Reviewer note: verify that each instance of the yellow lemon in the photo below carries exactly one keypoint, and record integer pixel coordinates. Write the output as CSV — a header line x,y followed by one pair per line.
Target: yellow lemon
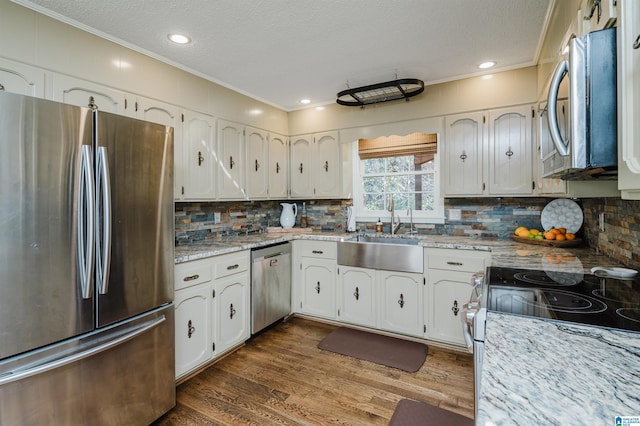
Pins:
x,y
534,231
522,231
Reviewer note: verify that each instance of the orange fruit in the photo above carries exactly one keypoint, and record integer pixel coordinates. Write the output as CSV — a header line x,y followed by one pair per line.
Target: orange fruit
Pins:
x,y
560,237
569,236
549,235
562,230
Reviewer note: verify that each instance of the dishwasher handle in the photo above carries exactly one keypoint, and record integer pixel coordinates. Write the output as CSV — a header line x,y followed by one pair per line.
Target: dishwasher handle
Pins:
x,y
269,256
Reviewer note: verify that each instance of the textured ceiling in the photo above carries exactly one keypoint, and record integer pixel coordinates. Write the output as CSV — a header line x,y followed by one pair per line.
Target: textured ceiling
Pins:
x,y
280,51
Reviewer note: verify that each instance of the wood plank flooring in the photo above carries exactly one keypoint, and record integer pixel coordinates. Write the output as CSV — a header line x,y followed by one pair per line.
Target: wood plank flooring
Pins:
x,y
281,378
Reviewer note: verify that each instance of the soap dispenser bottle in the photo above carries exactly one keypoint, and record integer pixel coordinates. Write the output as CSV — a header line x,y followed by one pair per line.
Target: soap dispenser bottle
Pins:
x,y
303,218
379,226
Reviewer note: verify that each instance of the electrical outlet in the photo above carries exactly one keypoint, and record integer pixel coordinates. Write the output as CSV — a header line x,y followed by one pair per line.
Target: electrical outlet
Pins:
x,y
216,217
455,214
601,221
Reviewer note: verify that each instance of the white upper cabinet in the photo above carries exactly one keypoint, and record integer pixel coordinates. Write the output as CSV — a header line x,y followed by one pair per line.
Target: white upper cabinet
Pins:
x,y
327,165
315,166
301,169
199,160
23,79
629,99
278,166
464,154
230,160
510,167
78,92
257,148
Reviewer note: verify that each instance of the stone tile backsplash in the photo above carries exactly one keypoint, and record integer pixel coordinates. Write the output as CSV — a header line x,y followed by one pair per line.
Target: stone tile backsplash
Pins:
x,y
493,218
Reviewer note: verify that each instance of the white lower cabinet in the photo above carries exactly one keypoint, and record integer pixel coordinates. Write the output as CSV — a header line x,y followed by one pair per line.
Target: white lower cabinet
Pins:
x,y
356,296
448,287
194,314
400,301
212,309
313,278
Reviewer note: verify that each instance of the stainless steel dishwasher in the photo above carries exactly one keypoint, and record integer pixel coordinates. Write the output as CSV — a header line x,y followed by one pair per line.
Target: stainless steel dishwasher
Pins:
x,y
270,285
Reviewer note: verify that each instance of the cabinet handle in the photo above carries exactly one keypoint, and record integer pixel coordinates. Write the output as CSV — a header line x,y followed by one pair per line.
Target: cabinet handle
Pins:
x,y
326,166
318,287
1,87
231,162
277,167
463,156
596,4
257,165
200,158
232,267
454,308
401,301
317,251
191,277
509,153
232,311
300,168
190,329
636,44
357,294
454,263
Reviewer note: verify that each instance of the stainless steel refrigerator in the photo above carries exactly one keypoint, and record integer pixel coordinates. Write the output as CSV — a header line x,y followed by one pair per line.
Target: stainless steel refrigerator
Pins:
x,y
86,266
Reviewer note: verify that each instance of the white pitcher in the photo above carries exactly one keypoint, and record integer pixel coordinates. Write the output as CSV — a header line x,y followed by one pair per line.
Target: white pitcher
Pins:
x,y
288,215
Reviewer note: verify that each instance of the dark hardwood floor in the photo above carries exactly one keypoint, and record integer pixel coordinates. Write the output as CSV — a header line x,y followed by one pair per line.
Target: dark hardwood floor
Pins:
x,y
281,378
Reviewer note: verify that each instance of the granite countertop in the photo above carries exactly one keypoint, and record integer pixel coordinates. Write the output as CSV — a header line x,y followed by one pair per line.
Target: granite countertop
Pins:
x,y
540,372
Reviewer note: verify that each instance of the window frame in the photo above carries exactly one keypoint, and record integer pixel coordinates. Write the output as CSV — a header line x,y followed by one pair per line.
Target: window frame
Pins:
x,y
435,216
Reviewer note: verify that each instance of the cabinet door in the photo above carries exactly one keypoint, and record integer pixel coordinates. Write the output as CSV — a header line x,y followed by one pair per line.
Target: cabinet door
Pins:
x,y
193,333
356,295
257,145
232,311
463,154
400,302
167,115
199,160
23,79
446,292
629,90
79,92
230,160
301,170
318,291
598,15
278,166
327,179
510,151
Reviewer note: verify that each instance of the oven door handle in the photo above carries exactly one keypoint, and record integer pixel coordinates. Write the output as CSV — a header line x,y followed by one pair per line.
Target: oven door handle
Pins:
x,y
466,325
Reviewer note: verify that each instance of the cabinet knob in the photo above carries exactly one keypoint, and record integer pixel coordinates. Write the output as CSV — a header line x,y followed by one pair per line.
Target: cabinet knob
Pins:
x,y
232,267
463,156
231,162
277,167
200,158
326,166
509,153
257,165
401,301
1,87
454,308
190,329
318,287
356,294
636,45
317,251
300,168
191,277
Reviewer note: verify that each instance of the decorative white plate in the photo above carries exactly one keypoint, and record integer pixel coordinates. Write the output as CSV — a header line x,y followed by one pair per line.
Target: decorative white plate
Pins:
x,y
562,213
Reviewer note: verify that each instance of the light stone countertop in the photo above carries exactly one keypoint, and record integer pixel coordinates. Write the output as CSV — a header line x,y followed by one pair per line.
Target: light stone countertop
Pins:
x,y
542,372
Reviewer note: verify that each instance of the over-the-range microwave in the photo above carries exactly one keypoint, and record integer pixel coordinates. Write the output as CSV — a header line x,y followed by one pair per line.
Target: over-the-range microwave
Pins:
x,y
586,146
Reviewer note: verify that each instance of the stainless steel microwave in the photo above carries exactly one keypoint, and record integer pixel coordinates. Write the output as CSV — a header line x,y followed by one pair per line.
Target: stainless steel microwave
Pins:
x,y
587,148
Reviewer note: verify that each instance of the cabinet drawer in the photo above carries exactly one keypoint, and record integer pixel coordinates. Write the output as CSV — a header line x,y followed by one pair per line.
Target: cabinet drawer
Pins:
x,y
191,273
318,249
456,260
229,264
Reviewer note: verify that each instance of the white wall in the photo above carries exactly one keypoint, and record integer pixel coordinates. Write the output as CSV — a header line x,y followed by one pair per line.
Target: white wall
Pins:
x,y
32,38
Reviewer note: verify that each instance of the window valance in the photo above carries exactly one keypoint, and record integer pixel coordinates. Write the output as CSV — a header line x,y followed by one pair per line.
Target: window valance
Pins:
x,y
396,146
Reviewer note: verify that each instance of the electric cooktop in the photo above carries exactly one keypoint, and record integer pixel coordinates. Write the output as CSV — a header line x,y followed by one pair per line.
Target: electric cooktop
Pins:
x,y
565,296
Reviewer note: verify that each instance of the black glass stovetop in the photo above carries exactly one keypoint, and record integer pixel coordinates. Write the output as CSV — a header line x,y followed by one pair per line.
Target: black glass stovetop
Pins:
x,y
565,296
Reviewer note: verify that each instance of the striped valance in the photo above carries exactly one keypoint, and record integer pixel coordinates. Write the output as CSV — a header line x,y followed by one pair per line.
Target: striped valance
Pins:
x,y
396,146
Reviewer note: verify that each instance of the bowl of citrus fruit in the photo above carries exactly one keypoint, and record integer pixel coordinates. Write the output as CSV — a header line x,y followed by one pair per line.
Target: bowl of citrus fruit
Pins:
x,y
555,237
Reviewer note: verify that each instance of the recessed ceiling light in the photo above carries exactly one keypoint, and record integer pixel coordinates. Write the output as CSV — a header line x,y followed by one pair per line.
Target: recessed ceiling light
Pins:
x,y
485,65
179,38
305,101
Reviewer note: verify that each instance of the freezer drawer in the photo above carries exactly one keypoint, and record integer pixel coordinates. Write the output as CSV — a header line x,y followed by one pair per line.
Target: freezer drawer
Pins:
x,y
132,382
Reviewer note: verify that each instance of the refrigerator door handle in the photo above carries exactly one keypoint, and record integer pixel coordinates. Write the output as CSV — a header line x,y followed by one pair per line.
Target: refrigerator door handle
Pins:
x,y
131,333
86,226
103,230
